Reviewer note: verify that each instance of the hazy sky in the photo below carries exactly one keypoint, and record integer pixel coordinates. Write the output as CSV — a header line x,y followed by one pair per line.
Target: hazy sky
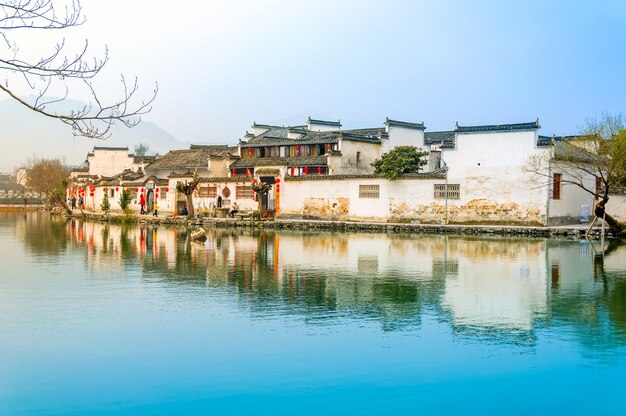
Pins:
x,y
221,65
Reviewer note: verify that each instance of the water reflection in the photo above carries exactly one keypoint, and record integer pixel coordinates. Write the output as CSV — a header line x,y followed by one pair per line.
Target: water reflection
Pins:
x,y
505,290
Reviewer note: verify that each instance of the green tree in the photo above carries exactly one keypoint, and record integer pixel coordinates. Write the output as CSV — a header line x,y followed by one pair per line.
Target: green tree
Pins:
x,y
141,149
105,206
125,200
399,160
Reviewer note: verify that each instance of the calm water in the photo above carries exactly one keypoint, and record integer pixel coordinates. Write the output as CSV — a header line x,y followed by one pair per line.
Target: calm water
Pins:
x,y
101,319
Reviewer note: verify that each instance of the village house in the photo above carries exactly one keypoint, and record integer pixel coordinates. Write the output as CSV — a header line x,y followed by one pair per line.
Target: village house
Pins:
x,y
475,174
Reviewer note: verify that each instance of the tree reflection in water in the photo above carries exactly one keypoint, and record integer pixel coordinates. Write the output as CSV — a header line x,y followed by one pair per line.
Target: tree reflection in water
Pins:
x,y
504,290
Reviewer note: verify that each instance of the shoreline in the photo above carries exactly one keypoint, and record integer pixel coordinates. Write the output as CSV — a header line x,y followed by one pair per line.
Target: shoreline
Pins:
x,y
573,231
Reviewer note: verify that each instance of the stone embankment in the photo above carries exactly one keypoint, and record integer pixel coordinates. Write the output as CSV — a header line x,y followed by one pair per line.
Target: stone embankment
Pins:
x,y
573,231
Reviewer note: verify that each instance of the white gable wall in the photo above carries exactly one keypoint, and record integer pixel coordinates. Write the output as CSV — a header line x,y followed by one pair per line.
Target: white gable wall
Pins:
x,y
402,136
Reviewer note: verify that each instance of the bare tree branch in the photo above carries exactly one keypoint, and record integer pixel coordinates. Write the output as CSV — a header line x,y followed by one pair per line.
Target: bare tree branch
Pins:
x,y
61,68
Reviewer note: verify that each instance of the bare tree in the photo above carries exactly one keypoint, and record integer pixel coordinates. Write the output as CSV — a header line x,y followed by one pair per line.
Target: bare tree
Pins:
x,y
594,161
50,177
60,68
187,188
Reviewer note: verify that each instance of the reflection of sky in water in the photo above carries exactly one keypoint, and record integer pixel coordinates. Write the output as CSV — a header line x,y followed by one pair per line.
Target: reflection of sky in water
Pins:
x,y
140,320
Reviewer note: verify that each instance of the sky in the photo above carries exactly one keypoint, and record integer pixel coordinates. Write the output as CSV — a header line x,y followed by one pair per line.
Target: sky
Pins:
x,y
220,65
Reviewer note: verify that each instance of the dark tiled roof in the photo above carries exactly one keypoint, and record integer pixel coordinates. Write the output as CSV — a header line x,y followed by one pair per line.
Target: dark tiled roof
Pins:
x,y
275,137
109,148
195,157
547,140
267,171
438,174
567,151
279,161
125,177
533,125
405,124
138,159
445,139
324,122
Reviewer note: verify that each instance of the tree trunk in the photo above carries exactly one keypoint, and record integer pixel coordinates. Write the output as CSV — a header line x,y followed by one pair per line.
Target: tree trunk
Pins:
x,y
190,212
60,200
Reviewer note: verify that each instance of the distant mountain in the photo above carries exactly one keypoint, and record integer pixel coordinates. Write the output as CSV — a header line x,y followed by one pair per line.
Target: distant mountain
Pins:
x,y
25,134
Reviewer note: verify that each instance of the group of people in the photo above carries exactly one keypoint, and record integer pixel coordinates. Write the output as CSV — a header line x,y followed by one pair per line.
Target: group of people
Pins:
x,y
80,200
142,204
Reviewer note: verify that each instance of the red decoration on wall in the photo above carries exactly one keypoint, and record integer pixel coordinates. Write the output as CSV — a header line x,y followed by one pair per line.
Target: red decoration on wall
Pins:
x,y
247,172
306,170
319,170
249,150
292,169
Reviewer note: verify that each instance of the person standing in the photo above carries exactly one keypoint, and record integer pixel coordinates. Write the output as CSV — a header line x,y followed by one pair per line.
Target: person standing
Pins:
x,y
155,209
142,204
73,201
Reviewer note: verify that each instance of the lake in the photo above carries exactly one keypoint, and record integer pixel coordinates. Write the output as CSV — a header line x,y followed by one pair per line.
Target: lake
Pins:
x,y
100,319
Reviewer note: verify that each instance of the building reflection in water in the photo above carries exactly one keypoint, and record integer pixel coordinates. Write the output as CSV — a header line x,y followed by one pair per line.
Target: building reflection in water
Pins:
x,y
507,289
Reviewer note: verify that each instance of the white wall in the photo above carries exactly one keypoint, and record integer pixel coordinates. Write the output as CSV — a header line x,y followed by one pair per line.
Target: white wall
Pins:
x,y
402,136
108,163
368,153
489,167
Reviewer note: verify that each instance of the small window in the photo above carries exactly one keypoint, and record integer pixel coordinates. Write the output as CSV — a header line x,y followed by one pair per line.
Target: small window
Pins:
x,y
112,193
244,191
358,158
369,191
556,186
454,191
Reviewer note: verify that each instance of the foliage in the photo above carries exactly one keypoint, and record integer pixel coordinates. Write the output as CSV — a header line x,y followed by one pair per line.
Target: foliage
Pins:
x,y
125,200
261,188
141,149
59,69
105,206
399,160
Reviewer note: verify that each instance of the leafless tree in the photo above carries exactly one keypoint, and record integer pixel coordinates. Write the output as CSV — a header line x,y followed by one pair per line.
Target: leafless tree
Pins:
x,y
62,68
596,157
49,176
187,188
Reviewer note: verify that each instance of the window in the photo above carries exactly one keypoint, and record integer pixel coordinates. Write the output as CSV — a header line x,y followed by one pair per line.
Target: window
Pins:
x,y
369,191
163,193
556,186
208,191
358,158
244,191
112,193
454,191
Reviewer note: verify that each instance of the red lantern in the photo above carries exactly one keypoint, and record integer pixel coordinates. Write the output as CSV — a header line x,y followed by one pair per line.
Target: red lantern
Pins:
x,y
319,170
136,190
233,172
247,172
117,188
306,170
249,150
167,189
277,180
292,169
298,148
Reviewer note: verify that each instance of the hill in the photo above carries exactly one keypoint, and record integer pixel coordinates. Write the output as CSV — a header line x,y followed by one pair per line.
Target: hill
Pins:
x,y
25,135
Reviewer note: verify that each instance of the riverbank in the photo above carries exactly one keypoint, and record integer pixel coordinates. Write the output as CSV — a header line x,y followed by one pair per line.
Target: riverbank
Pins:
x,y
571,231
